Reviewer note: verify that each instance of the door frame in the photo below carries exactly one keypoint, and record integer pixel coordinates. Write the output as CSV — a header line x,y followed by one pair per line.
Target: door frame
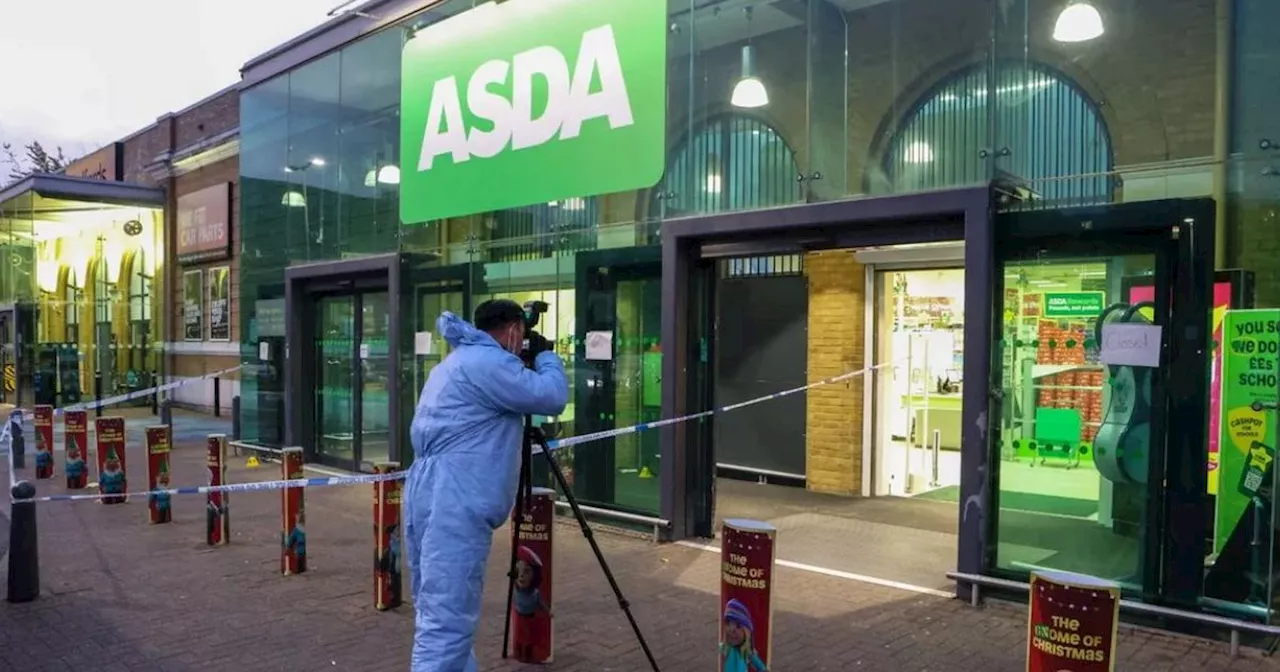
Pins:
x,y
689,244
1181,233
600,459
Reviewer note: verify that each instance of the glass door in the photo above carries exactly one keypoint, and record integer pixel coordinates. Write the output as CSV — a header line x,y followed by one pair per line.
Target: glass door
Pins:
x,y
617,369
335,349
375,372
1098,419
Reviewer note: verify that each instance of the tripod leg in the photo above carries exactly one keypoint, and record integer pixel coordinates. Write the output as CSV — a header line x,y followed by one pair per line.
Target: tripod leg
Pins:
x,y
595,548
522,490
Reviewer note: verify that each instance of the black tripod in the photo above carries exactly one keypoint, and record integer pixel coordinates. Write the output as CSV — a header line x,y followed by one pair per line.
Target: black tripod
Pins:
x,y
534,435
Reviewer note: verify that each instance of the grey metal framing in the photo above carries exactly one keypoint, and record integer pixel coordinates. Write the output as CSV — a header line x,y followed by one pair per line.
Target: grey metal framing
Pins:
x,y
297,281
952,214
84,189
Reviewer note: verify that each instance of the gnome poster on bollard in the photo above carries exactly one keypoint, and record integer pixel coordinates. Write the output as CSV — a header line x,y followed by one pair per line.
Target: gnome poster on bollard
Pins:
x,y
1072,623
75,432
217,516
44,441
746,595
533,630
158,449
113,472
293,546
387,590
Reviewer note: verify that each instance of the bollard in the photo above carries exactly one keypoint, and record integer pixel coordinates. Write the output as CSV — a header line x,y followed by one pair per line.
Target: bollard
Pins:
x,y
1080,611
532,631
113,478
18,444
75,433
159,446
217,397
235,417
293,546
166,412
155,396
44,441
24,552
746,593
387,591
218,515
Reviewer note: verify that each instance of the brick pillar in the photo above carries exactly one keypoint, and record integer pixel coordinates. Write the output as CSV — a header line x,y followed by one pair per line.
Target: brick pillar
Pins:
x,y
833,413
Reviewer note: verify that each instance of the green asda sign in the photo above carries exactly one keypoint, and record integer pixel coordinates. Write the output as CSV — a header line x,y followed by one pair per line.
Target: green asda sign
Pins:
x,y
531,101
1072,304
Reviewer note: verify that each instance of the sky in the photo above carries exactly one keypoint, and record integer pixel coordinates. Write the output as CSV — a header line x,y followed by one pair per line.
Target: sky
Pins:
x,y
82,73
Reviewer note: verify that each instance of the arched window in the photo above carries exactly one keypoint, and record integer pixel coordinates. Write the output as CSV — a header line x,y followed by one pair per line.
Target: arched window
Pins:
x,y
732,162
1045,126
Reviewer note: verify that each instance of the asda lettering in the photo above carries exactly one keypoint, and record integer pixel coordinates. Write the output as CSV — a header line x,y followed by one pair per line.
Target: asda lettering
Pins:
x,y
570,101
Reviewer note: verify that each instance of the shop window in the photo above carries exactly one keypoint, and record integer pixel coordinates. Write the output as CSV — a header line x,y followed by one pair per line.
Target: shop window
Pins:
x,y
733,162
541,230
1047,130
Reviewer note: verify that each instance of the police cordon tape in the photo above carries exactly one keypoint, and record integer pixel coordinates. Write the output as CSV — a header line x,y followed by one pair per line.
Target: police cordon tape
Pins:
x,y
130,396
396,475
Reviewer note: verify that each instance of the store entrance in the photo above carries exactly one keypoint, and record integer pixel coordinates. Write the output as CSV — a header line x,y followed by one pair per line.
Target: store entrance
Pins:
x,y
919,341
617,377
1101,395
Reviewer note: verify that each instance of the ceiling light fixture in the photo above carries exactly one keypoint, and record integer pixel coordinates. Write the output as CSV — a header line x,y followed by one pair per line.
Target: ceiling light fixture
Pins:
x,y
1078,22
749,92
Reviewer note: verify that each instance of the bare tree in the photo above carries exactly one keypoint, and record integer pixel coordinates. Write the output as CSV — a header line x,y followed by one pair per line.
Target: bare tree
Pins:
x,y
35,159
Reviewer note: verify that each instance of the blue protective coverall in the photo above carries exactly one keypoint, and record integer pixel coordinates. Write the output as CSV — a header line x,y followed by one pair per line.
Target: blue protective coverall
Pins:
x,y
467,434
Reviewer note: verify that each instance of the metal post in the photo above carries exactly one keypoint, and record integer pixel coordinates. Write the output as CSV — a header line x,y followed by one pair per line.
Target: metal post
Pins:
x,y
97,392
17,444
217,397
235,418
24,556
166,412
155,396
937,451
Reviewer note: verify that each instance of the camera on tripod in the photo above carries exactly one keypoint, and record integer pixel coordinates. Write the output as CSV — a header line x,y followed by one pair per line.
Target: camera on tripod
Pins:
x,y
533,311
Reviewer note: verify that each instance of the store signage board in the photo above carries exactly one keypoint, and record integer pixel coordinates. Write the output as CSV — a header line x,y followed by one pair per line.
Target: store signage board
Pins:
x,y
204,224
1072,304
1130,344
532,101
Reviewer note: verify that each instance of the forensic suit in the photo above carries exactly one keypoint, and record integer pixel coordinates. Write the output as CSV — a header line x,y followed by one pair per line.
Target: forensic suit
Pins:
x,y
467,433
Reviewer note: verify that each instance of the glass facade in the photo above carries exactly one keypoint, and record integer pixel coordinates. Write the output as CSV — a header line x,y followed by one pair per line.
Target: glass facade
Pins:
x,y
866,97
80,295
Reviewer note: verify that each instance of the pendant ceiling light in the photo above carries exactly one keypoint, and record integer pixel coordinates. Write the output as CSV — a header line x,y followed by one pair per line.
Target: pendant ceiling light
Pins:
x,y
294,199
1078,22
749,91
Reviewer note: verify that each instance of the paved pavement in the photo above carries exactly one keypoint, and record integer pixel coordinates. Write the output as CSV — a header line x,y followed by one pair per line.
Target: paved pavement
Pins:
x,y
119,594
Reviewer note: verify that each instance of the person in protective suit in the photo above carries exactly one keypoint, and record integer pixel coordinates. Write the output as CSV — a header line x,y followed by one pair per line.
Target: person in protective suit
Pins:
x,y
467,435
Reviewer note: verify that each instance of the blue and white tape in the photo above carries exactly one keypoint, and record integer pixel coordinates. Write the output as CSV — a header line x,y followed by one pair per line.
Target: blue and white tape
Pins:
x,y
130,396
375,478
230,487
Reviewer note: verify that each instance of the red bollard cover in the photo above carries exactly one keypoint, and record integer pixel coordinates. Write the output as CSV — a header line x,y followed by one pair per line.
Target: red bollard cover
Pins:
x,y
387,589
746,594
113,478
158,453
293,547
1072,623
44,441
533,629
75,433
217,515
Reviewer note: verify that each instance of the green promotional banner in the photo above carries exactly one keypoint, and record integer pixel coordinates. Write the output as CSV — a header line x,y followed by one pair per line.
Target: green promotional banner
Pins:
x,y
1248,425
532,101
1072,304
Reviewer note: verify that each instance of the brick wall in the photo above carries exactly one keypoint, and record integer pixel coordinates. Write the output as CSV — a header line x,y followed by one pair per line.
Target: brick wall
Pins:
x,y
210,118
833,413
